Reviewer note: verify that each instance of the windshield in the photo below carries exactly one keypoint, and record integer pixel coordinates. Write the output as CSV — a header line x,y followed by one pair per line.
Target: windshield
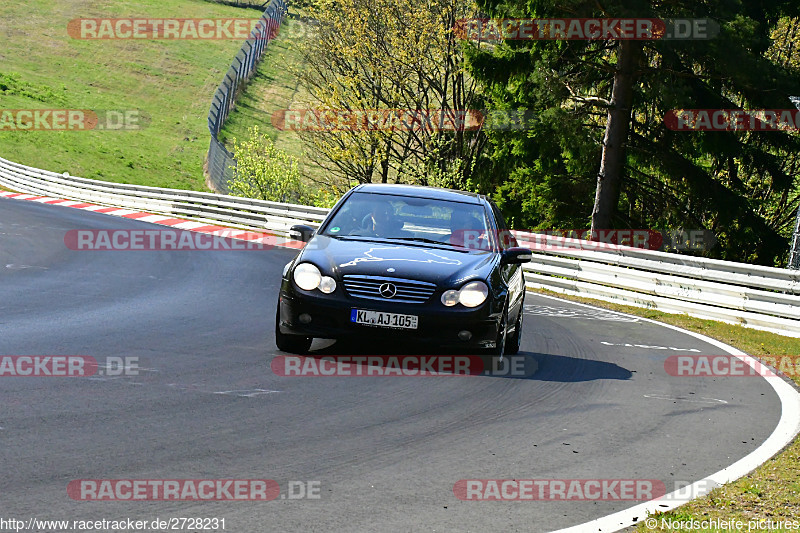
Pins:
x,y
388,216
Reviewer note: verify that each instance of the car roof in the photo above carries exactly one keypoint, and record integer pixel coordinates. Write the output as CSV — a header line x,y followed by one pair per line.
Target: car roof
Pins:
x,y
420,191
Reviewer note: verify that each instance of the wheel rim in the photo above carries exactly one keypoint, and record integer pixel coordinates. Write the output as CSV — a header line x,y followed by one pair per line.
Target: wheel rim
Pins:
x,y
518,329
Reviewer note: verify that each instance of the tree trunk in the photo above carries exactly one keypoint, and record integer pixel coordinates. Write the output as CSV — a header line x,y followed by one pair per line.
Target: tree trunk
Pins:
x,y
612,163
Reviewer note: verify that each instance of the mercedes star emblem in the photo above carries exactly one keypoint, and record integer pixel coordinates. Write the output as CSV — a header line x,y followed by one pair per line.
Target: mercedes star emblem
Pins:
x,y
388,290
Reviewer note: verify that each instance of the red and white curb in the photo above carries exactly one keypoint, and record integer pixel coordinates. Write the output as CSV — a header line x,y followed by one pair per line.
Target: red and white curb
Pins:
x,y
265,238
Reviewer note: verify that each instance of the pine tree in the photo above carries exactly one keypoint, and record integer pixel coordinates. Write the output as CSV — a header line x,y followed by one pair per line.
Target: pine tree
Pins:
x,y
558,173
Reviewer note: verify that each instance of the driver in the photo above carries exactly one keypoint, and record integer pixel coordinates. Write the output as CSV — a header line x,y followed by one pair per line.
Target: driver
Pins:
x,y
377,223
379,220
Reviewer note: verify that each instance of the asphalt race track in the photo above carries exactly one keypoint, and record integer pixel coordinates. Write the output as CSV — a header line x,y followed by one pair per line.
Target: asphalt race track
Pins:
x,y
385,451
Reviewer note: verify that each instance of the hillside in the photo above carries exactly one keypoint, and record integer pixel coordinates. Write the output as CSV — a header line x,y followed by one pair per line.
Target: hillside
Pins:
x,y
168,83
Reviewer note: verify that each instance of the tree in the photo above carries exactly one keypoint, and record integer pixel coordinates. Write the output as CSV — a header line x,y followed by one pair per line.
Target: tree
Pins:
x,y
401,58
612,162
735,184
785,49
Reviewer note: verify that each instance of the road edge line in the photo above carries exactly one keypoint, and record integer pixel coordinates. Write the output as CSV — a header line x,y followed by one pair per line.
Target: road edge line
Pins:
x,y
783,434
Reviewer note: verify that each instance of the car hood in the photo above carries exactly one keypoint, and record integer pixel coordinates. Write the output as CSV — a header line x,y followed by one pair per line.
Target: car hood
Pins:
x,y
416,261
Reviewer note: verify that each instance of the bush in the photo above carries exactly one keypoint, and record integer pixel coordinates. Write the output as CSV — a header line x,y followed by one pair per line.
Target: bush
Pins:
x,y
265,172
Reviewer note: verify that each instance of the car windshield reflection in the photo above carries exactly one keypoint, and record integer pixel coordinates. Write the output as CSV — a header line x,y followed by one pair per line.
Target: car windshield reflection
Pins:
x,y
432,221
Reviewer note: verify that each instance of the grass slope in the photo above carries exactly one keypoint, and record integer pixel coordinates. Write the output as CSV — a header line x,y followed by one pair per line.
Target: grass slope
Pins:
x,y
169,81
272,88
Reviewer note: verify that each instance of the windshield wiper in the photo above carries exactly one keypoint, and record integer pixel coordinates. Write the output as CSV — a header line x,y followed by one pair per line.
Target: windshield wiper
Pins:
x,y
418,239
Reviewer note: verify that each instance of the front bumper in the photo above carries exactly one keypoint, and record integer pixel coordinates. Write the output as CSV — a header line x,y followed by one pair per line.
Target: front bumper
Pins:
x,y
437,324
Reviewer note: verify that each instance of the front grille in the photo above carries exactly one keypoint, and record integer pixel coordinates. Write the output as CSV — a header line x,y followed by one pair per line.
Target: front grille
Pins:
x,y
408,291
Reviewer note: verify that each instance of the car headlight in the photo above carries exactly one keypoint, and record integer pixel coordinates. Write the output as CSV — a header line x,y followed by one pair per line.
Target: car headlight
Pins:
x,y
473,294
327,284
307,276
450,298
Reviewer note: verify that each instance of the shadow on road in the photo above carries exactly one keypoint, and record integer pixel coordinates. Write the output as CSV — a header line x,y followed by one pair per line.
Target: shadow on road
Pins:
x,y
525,365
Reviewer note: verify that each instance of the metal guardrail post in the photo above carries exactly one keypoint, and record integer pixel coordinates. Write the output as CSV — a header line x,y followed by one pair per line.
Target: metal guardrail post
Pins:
x,y
250,57
794,254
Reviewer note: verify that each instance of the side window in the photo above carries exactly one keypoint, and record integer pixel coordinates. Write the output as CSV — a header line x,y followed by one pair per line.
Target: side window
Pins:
x,y
504,236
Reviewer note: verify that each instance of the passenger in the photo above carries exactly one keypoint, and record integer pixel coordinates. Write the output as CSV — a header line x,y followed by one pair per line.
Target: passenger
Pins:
x,y
467,231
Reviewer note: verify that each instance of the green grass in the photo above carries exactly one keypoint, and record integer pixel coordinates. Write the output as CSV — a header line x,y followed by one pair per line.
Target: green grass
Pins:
x,y
772,491
169,81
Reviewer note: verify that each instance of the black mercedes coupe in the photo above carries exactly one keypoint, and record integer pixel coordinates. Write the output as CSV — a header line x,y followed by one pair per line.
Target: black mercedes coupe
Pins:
x,y
405,263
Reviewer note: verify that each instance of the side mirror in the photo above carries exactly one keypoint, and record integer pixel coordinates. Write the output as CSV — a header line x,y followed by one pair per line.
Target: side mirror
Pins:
x,y
516,256
301,232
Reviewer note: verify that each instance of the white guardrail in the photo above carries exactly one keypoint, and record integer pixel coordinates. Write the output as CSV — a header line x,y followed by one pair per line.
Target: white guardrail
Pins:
x,y
228,210
754,296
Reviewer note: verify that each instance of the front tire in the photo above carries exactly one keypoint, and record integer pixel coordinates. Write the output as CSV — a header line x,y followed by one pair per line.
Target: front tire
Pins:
x,y
296,344
513,341
499,349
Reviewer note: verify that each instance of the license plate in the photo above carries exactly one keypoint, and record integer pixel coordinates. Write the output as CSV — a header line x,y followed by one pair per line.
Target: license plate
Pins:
x,y
383,320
